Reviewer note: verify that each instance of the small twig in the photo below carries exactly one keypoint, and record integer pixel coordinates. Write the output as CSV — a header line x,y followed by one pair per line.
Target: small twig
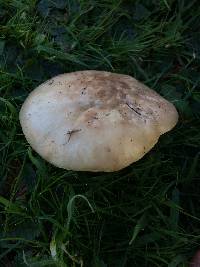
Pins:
x,y
136,111
72,132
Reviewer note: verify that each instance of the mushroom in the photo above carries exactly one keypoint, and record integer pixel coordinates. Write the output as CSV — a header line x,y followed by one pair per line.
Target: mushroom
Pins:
x,y
94,120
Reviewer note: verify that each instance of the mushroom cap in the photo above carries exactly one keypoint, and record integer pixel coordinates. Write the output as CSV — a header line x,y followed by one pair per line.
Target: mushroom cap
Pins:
x,y
94,120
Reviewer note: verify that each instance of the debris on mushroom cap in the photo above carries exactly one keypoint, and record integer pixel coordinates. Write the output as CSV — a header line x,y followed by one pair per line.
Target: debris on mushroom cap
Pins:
x,y
94,120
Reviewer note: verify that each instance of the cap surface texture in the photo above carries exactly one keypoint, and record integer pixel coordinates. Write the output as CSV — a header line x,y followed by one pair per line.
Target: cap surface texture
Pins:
x,y
94,120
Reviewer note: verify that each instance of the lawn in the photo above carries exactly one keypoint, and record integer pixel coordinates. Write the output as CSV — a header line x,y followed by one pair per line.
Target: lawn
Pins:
x,y
147,214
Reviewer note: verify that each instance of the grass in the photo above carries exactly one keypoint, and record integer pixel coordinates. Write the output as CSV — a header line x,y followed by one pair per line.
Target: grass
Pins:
x,y
145,215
